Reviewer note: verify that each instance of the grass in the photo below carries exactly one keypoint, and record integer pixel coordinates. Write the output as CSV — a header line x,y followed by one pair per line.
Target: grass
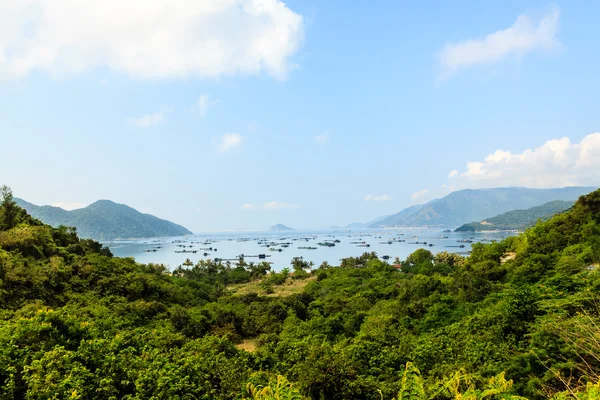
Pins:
x,y
288,288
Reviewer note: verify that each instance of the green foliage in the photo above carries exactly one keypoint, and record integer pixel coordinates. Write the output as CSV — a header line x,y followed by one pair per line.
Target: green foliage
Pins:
x,y
590,392
276,389
412,385
76,322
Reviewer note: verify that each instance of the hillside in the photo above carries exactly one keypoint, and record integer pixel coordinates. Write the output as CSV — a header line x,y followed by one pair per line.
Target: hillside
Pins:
x,y
280,228
79,323
105,220
518,219
470,205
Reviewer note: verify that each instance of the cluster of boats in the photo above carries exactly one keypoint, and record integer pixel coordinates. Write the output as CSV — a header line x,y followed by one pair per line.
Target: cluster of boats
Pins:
x,y
272,244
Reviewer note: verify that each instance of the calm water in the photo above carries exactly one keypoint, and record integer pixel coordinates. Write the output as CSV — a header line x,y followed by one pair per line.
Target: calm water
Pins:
x,y
168,251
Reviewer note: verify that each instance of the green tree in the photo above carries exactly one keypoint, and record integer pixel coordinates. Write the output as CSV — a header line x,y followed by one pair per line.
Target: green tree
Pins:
x,y
9,208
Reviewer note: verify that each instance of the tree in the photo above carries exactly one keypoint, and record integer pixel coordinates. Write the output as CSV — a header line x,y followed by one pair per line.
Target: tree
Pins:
x,y
9,207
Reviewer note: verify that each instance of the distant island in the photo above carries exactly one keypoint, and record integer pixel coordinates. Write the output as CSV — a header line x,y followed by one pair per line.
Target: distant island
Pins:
x,y
518,219
105,220
280,228
468,205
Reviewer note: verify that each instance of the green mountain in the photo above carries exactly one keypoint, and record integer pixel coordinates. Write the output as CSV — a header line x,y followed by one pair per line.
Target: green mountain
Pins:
x,y
469,205
518,219
280,228
105,220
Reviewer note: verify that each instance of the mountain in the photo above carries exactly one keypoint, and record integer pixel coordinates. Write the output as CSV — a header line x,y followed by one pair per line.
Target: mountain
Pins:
x,y
469,205
360,225
105,220
280,228
518,219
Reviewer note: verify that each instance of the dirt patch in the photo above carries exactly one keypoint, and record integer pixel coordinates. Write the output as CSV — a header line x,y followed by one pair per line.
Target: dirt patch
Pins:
x,y
290,287
249,345
507,257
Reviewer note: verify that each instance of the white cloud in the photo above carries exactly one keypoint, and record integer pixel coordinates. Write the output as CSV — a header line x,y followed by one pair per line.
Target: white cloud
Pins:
x,y
322,138
523,37
558,162
148,120
270,205
453,173
204,103
418,195
149,38
65,205
383,197
229,141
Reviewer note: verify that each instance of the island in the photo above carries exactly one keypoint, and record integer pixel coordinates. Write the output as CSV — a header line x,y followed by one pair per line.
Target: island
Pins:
x,y
280,228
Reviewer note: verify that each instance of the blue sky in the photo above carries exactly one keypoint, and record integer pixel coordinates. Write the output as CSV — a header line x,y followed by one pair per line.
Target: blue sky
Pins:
x,y
236,115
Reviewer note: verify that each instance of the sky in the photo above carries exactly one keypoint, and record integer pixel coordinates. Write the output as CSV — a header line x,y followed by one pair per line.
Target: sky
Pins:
x,y
229,115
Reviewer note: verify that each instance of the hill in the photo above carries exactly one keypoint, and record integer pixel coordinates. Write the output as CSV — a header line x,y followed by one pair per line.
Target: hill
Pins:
x,y
79,323
469,205
518,219
105,220
280,228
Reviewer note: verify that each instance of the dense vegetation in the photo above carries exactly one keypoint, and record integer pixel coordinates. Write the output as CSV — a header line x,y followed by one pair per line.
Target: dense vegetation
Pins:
x,y
464,206
518,219
518,317
105,220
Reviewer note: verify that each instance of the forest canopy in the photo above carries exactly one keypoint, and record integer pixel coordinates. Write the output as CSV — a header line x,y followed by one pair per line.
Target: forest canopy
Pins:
x,y
516,318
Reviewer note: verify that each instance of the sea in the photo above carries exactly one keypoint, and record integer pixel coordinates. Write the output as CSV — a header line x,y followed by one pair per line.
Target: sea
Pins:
x,y
280,248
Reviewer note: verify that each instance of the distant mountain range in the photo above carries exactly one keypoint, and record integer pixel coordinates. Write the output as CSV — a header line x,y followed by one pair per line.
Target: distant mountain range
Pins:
x,y
280,228
469,205
518,219
359,225
105,220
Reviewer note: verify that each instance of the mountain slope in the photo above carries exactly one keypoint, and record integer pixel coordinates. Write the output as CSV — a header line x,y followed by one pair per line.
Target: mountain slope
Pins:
x,y
106,220
469,205
359,225
518,219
